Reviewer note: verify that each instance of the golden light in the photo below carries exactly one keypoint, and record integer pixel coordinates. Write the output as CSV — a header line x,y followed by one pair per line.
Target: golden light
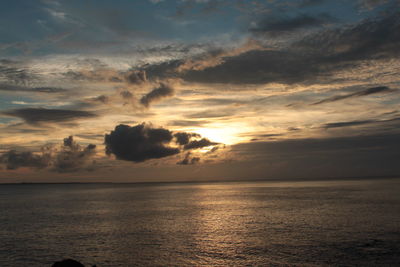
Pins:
x,y
227,135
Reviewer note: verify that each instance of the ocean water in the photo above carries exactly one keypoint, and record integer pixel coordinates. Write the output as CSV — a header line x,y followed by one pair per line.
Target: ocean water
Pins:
x,y
335,223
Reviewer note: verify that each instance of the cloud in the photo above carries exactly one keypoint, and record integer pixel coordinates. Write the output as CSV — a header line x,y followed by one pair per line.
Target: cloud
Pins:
x,y
369,91
68,157
101,98
136,77
11,72
14,159
212,113
156,94
143,142
188,160
347,124
269,135
256,67
215,57
371,4
126,95
16,88
371,38
360,122
276,26
166,69
188,123
204,142
364,155
139,143
183,138
73,157
312,59
39,115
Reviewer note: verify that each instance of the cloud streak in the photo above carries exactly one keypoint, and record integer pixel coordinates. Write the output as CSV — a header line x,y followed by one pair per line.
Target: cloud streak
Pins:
x,y
366,92
157,94
276,26
42,115
16,88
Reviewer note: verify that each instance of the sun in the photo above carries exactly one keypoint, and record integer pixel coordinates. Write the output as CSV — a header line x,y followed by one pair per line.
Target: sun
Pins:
x,y
225,135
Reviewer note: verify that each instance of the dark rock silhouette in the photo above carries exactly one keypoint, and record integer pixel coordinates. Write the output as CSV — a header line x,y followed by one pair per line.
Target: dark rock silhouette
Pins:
x,y
68,263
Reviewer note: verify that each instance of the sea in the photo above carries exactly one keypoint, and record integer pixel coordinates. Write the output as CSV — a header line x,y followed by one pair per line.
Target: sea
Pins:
x,y
350,222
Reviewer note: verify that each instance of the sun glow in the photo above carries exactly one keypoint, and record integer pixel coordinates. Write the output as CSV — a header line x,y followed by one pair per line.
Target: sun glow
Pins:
x,y
225,135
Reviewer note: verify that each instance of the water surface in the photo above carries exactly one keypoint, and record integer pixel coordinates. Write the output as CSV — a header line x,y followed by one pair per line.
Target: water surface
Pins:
x,y
216,224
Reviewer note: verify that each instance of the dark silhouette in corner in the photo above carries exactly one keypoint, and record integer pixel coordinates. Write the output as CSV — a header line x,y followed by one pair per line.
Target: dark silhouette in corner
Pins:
x,y
68,263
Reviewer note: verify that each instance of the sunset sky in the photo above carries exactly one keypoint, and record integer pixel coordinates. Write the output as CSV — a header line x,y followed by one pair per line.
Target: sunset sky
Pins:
x,y
182,90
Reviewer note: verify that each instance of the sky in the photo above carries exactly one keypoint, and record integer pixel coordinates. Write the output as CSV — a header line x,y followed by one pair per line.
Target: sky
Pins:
x,y
198,90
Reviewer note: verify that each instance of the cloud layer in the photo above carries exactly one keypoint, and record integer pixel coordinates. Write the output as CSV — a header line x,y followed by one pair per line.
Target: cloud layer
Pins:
x,y
68,157
39,115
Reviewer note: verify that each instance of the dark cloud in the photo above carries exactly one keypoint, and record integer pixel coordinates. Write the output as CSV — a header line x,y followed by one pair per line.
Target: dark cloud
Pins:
x,y
215,149
17,88
313,59
14,159
163,70
270,135
143,142
204,142
102,98
156,94
258,67
73,157
369,91
115,79
39,115
126,95
10,72
326,157
93,63
361,122
210,114
188,122
183,138
97,75
69,141
76,75
136,77
252,67
293,129
222,101
188,160
347,124
139,143
275,26
69,157
370,39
